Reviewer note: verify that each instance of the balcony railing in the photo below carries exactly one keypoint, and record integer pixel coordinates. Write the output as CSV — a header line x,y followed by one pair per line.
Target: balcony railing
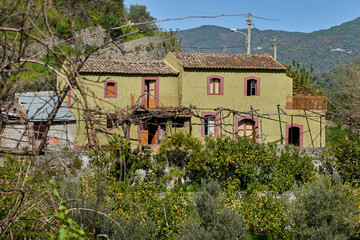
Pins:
x,y
152,102
307,102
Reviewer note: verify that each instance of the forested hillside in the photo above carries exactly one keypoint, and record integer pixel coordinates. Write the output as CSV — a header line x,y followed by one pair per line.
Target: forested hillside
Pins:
x,y
324,49
77,28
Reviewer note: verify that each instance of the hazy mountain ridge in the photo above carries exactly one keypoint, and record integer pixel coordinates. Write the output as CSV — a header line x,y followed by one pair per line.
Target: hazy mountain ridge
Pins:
x,y
324,49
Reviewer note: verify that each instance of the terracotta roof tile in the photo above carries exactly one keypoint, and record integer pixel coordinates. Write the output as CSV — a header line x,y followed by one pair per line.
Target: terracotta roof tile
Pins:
x,y
115,66
227,61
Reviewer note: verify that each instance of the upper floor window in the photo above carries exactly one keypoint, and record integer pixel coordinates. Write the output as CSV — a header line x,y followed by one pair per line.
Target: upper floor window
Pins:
x,y
215,85
252,86
110,90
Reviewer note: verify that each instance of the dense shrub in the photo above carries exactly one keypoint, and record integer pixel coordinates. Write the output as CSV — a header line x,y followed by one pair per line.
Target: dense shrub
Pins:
x,y
324,209
256,167
214,218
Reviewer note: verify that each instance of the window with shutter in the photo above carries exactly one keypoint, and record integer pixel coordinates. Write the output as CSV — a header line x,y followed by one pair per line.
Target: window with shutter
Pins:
x,y
110,89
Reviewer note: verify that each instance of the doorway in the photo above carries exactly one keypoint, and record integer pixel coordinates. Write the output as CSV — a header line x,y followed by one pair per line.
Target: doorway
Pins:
x,y
150,93
149,134
294,136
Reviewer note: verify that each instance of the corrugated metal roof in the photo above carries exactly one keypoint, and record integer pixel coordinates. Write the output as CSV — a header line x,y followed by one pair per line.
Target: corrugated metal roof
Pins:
x,y
227,61
38,106
114,66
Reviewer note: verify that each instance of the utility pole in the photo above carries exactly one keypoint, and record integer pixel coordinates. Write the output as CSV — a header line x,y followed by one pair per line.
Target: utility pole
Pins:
x,y
275,53
249,33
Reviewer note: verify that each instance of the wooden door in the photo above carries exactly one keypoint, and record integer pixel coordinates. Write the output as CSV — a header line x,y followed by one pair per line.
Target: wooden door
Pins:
x,y
152,94
144,135
155,134
150,91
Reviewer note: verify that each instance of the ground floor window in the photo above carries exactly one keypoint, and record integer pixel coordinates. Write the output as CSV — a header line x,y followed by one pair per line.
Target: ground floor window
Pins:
x,y
246,128
209,125
111,121
39,131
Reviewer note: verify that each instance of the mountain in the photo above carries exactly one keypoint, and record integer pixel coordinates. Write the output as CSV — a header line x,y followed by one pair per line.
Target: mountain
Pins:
x,y
324,49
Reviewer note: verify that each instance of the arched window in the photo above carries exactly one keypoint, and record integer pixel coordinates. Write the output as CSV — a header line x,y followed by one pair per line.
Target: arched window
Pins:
x,y
209,125
252,86
246,128
215,85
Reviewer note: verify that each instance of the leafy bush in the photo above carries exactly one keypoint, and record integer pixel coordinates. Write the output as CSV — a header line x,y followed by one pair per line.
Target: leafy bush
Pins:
x,y
182,151
25,211
122,161
254,166
214,219
265,216
324,209
347,160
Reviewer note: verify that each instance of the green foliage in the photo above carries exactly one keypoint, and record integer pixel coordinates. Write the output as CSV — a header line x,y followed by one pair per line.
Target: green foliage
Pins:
x,y
181,151
157,217
69,228
139,14
111,21
347,160
324,209
123,161
255,167
336,135
303,79
214,218
265,216
24,206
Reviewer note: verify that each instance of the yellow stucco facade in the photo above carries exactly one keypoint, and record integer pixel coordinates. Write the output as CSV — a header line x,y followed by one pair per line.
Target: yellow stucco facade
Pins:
x,y
267,110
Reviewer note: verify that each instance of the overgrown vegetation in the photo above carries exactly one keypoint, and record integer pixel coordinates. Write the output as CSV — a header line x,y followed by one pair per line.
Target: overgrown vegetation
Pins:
x,y
242,191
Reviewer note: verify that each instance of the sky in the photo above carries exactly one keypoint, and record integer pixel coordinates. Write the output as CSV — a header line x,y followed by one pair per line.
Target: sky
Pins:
x,y
293,16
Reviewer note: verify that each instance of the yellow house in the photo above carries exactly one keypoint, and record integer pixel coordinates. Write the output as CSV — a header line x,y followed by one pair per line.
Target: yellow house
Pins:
x,y
202,94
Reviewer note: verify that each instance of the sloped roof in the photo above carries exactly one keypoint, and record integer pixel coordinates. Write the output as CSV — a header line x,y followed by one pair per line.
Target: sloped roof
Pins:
x,y
38,106
227,61
115,66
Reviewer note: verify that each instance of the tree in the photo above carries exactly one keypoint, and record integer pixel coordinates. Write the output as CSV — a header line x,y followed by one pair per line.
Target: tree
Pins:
x,y
324,209
214,218
36,38
303,79
138,14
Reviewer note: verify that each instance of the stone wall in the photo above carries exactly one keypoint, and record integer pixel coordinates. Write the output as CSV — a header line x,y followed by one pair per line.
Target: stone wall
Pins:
x,y
143,49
